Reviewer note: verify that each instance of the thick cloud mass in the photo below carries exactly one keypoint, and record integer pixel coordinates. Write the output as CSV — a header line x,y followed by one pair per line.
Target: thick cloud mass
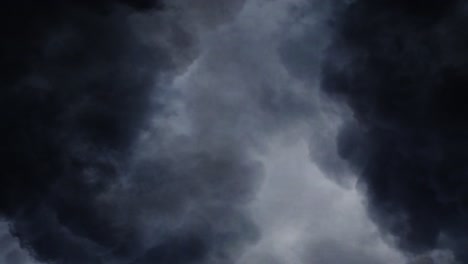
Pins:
x,y
196,132
81,83
401,67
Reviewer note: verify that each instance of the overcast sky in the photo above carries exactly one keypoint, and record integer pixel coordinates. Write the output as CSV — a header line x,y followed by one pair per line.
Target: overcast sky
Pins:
x,y
198,132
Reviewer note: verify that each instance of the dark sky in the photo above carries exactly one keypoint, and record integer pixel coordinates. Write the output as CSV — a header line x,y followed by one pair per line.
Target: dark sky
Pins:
x,y
233,132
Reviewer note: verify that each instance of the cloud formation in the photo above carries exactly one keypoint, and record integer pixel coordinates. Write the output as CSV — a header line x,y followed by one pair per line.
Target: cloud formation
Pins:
x,y
85,81
400,67
199,132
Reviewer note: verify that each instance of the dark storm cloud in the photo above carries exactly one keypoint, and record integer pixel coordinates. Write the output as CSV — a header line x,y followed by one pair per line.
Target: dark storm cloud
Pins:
x,y
401,67
303,53
81,84
138,132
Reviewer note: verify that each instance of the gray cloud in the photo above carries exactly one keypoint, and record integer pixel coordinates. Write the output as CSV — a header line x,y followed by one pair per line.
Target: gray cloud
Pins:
x,y
239,93
216,150
10,248
307,218
396,65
